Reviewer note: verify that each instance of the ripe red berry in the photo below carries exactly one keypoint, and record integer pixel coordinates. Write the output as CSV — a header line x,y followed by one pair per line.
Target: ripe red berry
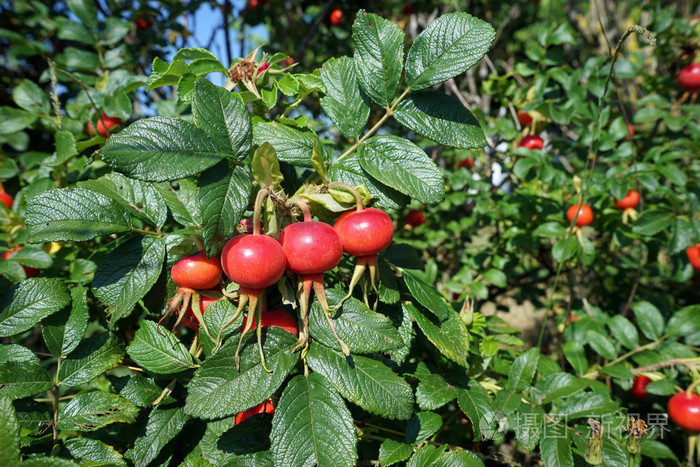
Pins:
x,y
277,319
630,131
265,407
585,214
197,271
689,77
143,24
630,201
311,247
337,17
639,387
693,253
468,162
6,199
366,232
684,410
525,118
103,128
253,261
414,218
29,272
531,142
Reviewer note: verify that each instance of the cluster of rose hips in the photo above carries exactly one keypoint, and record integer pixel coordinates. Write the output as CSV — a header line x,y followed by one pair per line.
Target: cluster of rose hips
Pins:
x,y
683,407
256,261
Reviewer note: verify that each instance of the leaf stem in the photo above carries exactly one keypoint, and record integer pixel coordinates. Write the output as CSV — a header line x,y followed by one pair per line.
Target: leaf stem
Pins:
x,y
351,189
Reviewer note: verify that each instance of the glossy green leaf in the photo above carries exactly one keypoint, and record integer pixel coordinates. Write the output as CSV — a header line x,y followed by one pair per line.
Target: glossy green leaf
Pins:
x,y
23,379
90,359
556,450
163,425
27,303
433,392
652,221
601,344
93,410
64,330
586,405
448,335
312,426
576,356
344,103
93,451
13,120
85,10
684,322
292,145
422,426
16,353
363,381
158,350
30,97
9,427
450,45
74,214
392,452
649,319
475,404
528,426
624,331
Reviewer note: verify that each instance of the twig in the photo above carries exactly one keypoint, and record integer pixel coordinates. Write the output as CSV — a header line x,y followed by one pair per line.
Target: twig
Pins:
x,y
227,37
312,32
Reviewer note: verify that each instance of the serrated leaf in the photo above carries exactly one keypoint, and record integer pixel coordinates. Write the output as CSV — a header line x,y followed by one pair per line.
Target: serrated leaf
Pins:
x,y
558,385
222,117
27,303
30,97
45,461
363,381
649,319
218,389
164,74
422,426
391,452
576,356
16,353
218,314
652,221
344,103
529,426
684,322
427,296
586,405
427,455
23,379
138,389
73,214
85,10
158,352
364,330
624,331
402,165
449,335
450,45
292,145
141,198
13,120
440,118
556,450
93,410
64,330
351,172
91,358
223,194
126,274
93,451
162,426
182,203
9,427
194,53
158,149
475,404
433,392
601,344
312,426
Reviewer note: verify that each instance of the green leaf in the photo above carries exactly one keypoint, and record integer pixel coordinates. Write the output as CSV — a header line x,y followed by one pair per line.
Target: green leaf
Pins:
x,y
391,452
73,214
162,426
450,45
91,358
30,301
422,426
652,221
657,450
223,194
16,353
13,120
218,389
459,458
30,97
73,31
292,145
140,198
433,392
448,335
114,31
475,404
93,410
427,296
32,256
23,379
194,53
126,274
44,461
222,117
440,118
64,330
558,385
351,172
427,455
9,427
364,330
649,319
576,356
586,405
523,369
165,74
138,389
158,350
93,451
158,149
65,149
312,426
365,382
266,167
182,203
402,165
529,426
624,331
85,10
548,229
218,314
555,450
684,322
378,56
496,277
344,103
601,344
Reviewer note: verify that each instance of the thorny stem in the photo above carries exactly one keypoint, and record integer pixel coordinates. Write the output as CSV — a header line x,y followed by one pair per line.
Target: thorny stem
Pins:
x,y
351,189
592,148
257,213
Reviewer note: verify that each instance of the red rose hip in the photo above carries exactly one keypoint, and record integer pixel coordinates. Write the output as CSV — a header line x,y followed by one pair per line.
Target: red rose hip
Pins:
x,y
531,142
689,78
253,261
197,271
630,201
366,232
693,253
639,387
684,410
585,214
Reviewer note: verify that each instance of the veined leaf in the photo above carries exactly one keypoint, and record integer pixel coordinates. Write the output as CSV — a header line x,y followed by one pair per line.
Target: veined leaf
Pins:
x,y
93,410
9,441
163,425
23,379
344,103
292,145
64,330
91,358
27,303
449,335
158,352
93,451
